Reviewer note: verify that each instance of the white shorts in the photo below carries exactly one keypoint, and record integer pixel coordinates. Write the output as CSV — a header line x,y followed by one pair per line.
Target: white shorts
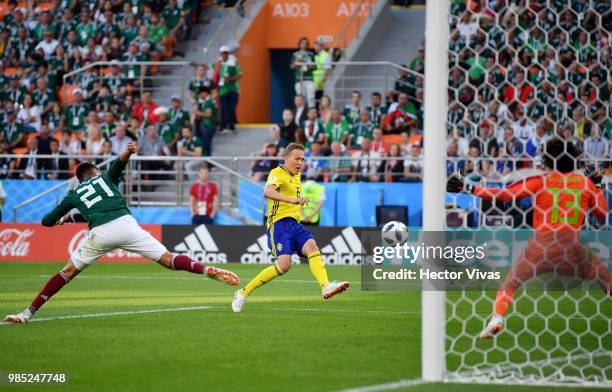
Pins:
x,y
121,233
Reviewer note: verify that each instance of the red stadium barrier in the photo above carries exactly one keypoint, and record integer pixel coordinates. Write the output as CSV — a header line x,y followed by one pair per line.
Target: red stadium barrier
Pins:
x,y
34,243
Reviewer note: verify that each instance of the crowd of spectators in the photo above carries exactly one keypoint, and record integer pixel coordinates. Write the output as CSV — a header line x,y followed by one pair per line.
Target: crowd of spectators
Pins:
x,y
104,107
359,136
522,72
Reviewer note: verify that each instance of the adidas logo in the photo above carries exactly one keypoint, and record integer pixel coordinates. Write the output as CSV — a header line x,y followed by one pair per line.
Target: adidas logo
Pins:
x,y
258,253
345,249
201,247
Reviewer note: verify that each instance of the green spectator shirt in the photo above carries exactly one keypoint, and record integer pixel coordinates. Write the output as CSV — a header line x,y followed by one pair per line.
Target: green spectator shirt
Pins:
x,y
302,57
313,131
229,68
115,82
196,83
203,106
85,32
351,114
75,116
337,131
376,114
166,132
15,95
178,118
11,131
192,144
133,71
97,198
361,131
172,16
157,33
43,98
129,33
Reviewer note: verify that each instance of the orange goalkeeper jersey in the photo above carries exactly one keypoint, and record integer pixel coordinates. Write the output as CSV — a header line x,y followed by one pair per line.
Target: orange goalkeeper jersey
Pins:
x,y
560,200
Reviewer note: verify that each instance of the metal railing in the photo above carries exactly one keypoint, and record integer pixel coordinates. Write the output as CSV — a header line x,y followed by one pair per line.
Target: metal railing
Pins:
x,y
349,76
158,76
165,180
350,29
228,31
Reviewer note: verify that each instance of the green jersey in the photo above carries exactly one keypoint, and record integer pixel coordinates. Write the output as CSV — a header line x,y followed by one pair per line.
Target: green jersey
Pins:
x,y
178,118
85,31
203,106
196,83
305,70
228,68
337,131
97,198
362,131
75,116
192,144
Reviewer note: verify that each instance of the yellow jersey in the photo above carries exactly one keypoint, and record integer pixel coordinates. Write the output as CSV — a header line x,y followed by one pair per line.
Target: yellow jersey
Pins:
x,y
287,185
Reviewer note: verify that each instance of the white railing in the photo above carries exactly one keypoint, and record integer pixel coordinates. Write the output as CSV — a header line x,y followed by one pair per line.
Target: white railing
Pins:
x,y
348,76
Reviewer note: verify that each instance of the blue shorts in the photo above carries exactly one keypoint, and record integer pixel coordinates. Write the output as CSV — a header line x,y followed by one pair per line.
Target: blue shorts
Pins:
x,y
287,236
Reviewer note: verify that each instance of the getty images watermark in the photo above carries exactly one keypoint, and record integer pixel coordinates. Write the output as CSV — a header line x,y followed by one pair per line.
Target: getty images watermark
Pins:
x,y
480,260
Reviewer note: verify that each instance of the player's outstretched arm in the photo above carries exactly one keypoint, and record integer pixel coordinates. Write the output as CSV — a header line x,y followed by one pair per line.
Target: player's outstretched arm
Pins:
x,y
117,166
58,214
516,191
272,193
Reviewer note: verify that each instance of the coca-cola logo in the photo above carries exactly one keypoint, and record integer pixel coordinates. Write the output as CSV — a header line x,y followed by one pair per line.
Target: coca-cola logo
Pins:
x,y
13,242
78,239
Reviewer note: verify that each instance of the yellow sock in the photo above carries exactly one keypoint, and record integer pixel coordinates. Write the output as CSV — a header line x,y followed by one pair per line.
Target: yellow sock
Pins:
x,y
317,267
262,278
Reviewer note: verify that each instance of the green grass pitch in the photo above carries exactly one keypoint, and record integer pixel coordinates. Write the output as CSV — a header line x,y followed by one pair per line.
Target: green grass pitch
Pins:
x,y
286,339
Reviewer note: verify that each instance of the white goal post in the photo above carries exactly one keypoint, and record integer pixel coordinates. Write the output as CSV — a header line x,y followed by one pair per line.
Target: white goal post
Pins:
x,y
434,181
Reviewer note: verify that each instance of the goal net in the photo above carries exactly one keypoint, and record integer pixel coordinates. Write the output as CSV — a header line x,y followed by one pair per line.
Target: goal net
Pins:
x,y
521,73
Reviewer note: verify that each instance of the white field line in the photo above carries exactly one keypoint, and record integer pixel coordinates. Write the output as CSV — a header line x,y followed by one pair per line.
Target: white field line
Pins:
x,y
189,308
389,386
111,314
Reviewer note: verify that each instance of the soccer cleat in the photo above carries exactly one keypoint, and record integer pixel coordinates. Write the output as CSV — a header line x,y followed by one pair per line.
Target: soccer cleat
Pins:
x,y
19,318
223,275
238,301
334,288
493,328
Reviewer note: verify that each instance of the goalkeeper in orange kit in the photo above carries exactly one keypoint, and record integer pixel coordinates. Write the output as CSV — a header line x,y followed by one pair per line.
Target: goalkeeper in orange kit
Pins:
x,y
561,197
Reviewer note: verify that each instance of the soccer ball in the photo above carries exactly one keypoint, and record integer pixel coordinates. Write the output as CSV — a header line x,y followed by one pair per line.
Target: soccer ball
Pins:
x,y
394,233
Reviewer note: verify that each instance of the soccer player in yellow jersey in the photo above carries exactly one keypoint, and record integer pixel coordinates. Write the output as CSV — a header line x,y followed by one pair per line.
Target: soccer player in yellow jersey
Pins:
x,y
286,234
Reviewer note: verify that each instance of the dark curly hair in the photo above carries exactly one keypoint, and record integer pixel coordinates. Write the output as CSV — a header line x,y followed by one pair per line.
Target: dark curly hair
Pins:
x,y
561,155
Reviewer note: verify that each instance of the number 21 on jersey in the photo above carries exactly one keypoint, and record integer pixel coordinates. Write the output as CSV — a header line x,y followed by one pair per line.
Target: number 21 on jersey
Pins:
x,y
89,191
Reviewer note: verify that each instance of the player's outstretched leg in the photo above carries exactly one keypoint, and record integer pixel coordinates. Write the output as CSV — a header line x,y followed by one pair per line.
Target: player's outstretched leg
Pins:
x,y
52,286
317,268
267,274
520,272
185,263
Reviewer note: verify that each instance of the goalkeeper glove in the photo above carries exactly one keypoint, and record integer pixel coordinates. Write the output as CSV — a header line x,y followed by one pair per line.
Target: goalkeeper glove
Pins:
x,y
594,175
456,184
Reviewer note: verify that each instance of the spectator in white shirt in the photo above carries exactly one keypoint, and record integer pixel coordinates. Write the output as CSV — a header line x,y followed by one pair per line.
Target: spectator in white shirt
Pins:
x,y
466,27
595,145
47,45
523,129
29,115
94,140
119,140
